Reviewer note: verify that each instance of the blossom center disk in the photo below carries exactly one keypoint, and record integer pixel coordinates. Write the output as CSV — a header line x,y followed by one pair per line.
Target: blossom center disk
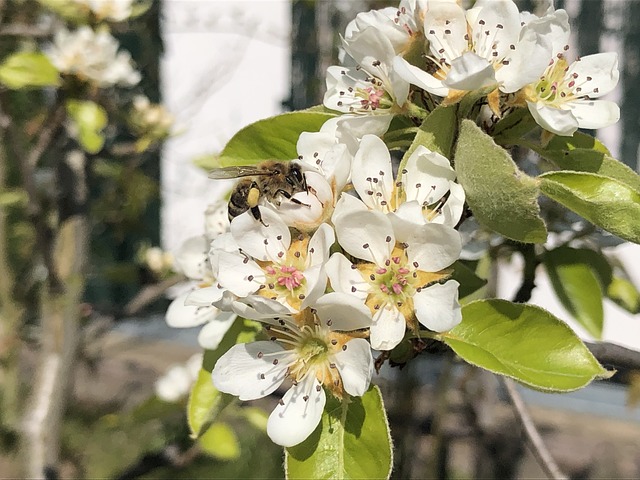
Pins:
x,y
286,276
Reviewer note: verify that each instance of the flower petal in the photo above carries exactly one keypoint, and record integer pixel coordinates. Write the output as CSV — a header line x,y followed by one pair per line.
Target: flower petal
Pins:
x,y
470,72
371,173
320,244
256,307
598,71
434,247
310,211
347,204
260,241
437,306
419,78
387,329
526,63
405,219
366,235
204,297
555,120
342,312
239,274
355,364
594,114
316,284
427,176
191,258
298,413
180,315
248,371
214,331
345,279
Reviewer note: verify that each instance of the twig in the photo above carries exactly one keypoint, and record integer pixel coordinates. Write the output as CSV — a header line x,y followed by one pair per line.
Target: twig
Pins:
x,y
150,293
23,30
531,262
615,355
539,449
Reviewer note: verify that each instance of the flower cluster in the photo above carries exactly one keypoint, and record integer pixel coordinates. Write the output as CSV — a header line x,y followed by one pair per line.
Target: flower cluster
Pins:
x,y
363,256
517,58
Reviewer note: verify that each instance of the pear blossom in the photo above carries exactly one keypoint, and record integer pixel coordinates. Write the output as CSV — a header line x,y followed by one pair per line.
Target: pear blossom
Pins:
x,y
424,191
398,281
92,56
263,259
175,384
485,47
113,10
566,96
316,350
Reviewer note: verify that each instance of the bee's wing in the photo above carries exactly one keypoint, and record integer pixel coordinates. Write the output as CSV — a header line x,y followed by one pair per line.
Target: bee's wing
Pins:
x,y
237,171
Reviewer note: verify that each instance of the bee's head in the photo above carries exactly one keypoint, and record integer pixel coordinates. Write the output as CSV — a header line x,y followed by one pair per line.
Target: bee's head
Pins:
x,y
296,177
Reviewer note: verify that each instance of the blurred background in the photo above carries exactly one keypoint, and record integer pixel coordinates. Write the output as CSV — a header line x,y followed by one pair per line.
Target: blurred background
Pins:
x,y
94,383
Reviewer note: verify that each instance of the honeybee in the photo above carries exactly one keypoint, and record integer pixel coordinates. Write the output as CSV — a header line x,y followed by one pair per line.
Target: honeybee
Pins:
x,y
270,179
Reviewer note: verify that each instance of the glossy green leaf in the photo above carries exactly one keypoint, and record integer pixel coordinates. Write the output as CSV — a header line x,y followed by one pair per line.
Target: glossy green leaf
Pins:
x,y
502,197
606,202
625,294
468,280
583,153
273,138
523,342
255,416
578,286
89,119
352,441
220,442
205,402
28,69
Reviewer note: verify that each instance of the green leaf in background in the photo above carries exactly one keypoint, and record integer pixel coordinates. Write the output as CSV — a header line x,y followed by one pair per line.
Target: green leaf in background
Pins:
x,y
603,201
501,196
625,294
76,12
273,138
579,281
89,119
467,278
28,69
437,132
583,153
523,342
512,128
205,402
14,196
220,442
352,441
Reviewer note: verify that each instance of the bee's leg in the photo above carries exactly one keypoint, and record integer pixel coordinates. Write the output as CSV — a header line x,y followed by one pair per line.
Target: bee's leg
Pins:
x,y
255,211
288,196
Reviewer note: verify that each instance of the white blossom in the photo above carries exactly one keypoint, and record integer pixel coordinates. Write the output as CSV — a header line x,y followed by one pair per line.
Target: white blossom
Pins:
x,y
314,350
176,383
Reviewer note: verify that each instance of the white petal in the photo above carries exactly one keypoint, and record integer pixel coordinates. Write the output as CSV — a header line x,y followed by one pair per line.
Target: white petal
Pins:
x,y
204,297
262,243
527,63
355,364
602,68
298,414
470,72
372,51
345,279
595,114
310,211
387,329
256,307
191,258
320,244
371,173
238,274
434,247
241,369
450,17
180,315
214,331
454,206
405,219
437,306
347,204
316,283
216,219
427,176
343,312
493,13
419,78
366,235
556,120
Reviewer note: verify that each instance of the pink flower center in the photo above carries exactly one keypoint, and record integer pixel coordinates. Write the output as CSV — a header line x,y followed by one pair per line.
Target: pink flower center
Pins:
x,y
286,276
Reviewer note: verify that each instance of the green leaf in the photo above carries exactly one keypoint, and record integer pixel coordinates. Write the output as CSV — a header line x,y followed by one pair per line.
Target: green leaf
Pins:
x,y
437,132
207,162
273,138
579,285
511,129
205,402
468,280
220,442
28,69
352,441
255,416
501,196
583,153
89,118
606,202
625,294
523,342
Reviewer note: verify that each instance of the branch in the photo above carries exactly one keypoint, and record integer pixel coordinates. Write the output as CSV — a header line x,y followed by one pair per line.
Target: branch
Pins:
x,y
615,355
150,293
539,449
24,30
531,262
